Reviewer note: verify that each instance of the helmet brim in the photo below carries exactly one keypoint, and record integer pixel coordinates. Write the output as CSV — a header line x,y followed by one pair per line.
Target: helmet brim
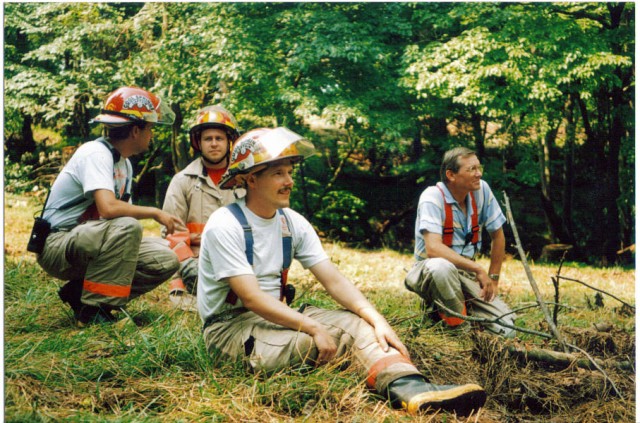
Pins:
x,y
234,179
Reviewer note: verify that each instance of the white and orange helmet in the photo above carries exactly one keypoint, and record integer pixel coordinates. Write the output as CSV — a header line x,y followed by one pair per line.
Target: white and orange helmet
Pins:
x,y
258,148
128,105
213,117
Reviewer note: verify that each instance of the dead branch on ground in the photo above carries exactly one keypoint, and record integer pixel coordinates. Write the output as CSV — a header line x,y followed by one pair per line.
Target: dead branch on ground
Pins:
x,y
497,320
596,289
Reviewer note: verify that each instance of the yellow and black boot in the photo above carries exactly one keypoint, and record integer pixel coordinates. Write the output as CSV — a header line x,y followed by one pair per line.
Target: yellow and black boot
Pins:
x,y
416,395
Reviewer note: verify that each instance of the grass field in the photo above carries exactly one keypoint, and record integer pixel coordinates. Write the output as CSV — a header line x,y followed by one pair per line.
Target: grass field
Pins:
x,y
152,365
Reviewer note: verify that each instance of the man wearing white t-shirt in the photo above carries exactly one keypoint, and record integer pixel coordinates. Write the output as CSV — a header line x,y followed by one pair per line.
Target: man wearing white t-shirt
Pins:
x,y
245,251
95,239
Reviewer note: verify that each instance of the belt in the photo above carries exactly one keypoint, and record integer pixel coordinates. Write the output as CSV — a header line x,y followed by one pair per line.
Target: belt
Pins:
x,y
223,316
54,230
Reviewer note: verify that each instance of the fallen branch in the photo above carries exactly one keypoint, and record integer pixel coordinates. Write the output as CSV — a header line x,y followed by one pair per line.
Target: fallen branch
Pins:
x,y
596,289
489,321
566,359
532,281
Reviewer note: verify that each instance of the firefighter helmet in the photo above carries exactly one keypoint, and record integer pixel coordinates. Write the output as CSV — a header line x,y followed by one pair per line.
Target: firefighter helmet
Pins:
x,y
213,117
128,105
263,146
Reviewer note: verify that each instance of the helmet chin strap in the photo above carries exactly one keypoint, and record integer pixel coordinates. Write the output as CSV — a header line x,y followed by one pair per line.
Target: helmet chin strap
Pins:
x,y
211,162
226,156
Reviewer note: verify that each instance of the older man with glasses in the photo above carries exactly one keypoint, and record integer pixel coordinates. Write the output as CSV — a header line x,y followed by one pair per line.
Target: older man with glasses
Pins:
x,y
448,234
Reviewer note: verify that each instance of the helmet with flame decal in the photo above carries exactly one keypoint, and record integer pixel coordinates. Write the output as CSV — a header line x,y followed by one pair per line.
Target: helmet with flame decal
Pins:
x,y
213,117
261,147
128,105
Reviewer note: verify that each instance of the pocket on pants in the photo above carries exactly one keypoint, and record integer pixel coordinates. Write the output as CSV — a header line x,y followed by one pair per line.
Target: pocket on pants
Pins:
x,y
279,349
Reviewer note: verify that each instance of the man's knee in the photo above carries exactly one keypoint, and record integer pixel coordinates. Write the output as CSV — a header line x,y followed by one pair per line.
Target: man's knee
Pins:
x,y
167,264
189,274
442,269
128,226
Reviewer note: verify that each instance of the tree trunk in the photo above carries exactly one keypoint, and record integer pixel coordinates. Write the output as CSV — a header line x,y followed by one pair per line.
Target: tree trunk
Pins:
x,y
569,172
28,143
612,192
416,145
179,151
554,221
478,135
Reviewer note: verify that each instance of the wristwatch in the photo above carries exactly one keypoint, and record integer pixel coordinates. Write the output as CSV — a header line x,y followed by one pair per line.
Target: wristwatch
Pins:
x,y
494,276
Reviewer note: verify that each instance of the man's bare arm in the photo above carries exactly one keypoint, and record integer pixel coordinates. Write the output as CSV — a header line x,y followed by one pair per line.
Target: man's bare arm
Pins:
x,y
109,207
350,297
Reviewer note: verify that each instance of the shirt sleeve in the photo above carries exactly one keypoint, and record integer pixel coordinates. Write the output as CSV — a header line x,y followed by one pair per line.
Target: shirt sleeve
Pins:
x,y
96,172
175,200
307,247
430,212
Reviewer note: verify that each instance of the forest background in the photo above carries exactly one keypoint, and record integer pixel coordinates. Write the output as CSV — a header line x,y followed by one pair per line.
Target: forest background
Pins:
x,y
544,92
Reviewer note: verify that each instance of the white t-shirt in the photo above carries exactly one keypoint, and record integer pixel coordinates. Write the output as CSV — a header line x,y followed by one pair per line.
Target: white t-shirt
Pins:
x,y
222,254
90,168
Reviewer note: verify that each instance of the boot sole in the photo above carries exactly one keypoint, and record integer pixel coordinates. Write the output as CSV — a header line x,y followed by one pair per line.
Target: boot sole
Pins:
x,y
462,400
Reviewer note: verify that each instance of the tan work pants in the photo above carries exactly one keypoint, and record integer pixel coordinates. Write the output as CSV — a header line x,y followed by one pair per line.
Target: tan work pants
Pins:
x,y
112,258
268,347
438,279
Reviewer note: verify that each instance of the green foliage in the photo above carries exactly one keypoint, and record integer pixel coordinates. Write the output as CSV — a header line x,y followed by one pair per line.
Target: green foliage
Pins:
x,y
381,88
343,213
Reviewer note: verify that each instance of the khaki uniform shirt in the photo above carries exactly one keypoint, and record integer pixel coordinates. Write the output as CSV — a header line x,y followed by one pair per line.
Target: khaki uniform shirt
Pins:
x,y
192,196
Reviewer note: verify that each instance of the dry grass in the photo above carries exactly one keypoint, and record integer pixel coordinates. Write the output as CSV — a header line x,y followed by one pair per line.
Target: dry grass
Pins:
x,y
153,365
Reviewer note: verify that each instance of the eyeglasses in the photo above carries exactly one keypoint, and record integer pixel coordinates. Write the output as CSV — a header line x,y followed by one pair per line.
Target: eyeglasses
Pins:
x,y
474,169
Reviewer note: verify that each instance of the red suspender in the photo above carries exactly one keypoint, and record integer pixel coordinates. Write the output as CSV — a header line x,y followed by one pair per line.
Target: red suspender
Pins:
x,y
447,227
474,220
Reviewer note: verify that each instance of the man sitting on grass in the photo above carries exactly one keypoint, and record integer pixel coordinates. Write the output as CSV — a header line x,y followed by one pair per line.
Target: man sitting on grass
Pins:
x,y
245,253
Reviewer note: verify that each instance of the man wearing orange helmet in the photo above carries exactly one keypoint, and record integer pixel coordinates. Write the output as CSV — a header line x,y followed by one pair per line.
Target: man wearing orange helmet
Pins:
x,y
246,249
194,194
95,240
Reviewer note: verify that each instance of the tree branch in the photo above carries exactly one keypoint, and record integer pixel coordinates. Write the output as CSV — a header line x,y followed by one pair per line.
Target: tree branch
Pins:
x,y
596,289
496,320
532,281
147,165
593,361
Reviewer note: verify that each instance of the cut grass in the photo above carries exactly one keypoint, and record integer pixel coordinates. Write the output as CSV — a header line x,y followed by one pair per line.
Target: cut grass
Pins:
x,y
153,366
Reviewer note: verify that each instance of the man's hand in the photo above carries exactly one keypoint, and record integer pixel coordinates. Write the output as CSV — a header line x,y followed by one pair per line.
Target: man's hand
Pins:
x,y
169,221
387,336
327,347
489,286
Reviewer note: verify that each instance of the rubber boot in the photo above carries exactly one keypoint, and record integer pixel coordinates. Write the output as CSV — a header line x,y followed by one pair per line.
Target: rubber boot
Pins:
x,y
89,315
416,395
85,314
71,293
